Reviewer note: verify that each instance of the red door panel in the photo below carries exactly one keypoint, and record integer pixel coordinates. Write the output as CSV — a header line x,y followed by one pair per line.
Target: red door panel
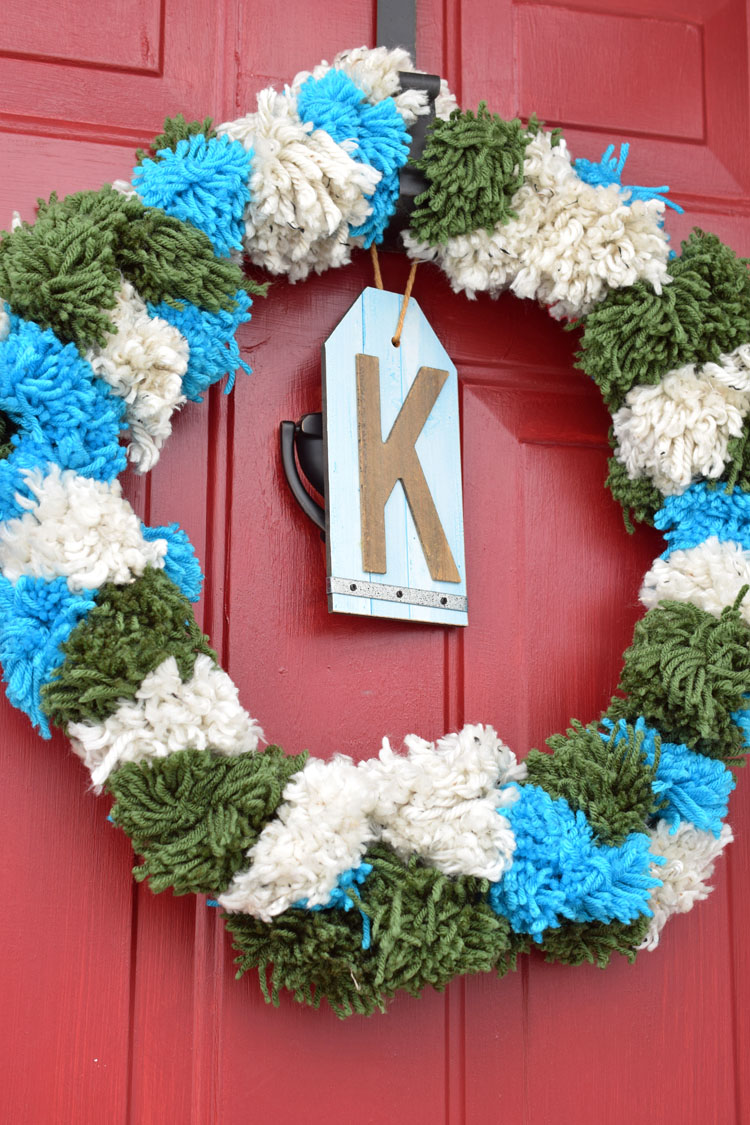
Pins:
x,y
121,1006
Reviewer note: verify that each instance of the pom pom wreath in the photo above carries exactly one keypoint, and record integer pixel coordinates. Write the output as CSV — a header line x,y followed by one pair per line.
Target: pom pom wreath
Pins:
x,y
689,786
130,631
181,563
60,412
559,872
213,348
176,129
373,134
36,618
636,335
193,815
703,511
608,780
203,182
609,170
474,165
353,880
685,673
426,927
167,715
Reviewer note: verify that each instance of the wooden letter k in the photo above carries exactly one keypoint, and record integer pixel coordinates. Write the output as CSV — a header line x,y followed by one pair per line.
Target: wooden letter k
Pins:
x,y
382,463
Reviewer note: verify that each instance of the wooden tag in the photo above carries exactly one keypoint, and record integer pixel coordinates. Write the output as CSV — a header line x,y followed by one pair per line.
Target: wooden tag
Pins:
x,y
394,515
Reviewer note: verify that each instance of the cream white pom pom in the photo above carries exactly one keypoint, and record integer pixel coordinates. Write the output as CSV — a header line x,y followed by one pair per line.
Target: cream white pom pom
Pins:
x,y
709,575
321,830
439,802
679,429
305,190
143,360
4,321
731,369
690,854
81,529
165,716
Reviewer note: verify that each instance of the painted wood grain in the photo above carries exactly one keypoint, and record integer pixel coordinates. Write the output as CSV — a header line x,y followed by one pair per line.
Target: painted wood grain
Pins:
x,y
121,1007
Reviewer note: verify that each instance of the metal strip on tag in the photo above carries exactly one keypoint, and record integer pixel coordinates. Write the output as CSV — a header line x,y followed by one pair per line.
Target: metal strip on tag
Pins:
x,y
381,591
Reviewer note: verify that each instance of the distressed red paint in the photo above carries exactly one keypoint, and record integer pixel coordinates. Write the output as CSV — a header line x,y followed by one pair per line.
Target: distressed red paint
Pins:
x,y
120,1006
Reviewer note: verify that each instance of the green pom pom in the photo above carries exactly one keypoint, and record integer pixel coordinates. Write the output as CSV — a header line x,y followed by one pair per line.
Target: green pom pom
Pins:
x,y
193,815
426,928
176,129
474,166
686,672
640,499
128,634
64,271
168,260
595,943
610,785
636,336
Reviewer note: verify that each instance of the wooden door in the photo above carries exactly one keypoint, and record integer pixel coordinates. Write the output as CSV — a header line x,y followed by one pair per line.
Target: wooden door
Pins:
x,y
121,1007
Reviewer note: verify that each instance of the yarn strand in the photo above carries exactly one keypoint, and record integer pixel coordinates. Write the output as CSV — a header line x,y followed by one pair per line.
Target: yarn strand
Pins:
x,y
396,341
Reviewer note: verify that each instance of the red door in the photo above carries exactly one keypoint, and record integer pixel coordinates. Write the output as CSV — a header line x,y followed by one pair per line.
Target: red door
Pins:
x,y
119,1006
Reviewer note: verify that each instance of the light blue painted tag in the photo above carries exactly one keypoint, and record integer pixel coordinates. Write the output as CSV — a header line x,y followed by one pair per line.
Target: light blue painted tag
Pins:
x,y
408,589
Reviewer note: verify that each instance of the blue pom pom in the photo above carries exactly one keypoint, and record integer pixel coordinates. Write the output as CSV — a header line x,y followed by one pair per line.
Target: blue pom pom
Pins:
x,y
383,206
696,788
61,411
203,182
181,563
701,512
609,171
36,617
214,351
558,871
374,134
